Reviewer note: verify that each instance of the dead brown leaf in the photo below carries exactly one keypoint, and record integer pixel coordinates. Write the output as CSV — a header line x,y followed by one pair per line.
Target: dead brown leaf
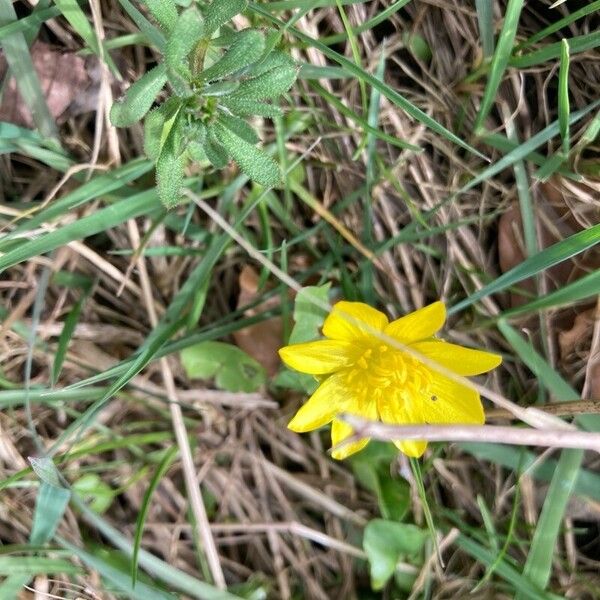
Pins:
x,y
68,85
262,340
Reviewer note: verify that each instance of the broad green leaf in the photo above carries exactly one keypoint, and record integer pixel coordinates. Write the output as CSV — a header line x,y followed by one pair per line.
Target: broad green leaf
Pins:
x,y
164,11
97,494
246,107
247,48
139,97
308,316
254,162
218,13
50,505
268,85
388,542
231,367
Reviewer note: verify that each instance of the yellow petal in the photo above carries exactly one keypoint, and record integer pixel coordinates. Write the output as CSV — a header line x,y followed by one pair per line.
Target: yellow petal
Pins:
x,y
450,402
418,325
461,360
321,407
353,321
393,410
318,358
340,431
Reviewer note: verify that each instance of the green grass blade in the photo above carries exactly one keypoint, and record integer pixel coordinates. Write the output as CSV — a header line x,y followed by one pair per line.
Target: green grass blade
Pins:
x,y
355,71
152,33
19,61
499,60
591,8
545,259
585,287
505,570
101,185
72,12
545,374
485,19
513,458
29,23
144,203
162,468
541,552
577,44
381,16
563,96
178,580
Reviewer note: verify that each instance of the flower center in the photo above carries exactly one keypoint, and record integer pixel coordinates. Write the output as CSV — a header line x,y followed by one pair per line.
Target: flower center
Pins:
x,y
382,372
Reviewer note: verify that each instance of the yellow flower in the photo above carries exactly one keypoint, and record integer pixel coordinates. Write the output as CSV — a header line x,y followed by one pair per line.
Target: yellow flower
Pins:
x,y
362,375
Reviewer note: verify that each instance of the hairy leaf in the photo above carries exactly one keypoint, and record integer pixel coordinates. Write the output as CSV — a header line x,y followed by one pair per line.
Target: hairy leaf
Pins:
x,y
258,165
240,128
138,98
245,107
188,30
271,84
246,48
220,12
164,11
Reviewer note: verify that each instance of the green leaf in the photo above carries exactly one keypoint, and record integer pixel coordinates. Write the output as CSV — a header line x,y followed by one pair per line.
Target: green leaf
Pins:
x,y
216,154
153,128
96,493
65,338
138,98
240,127
188,30
247,48
545,259
170,171
220,88
164,11
219,12
162,468
50,505
500,60
246,107
386,543
276,59
255,163
308,316
563,96
231,367
268,85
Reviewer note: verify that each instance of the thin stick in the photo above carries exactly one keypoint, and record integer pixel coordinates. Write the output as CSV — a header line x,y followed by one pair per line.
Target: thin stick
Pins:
x,y
518,436
187,462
